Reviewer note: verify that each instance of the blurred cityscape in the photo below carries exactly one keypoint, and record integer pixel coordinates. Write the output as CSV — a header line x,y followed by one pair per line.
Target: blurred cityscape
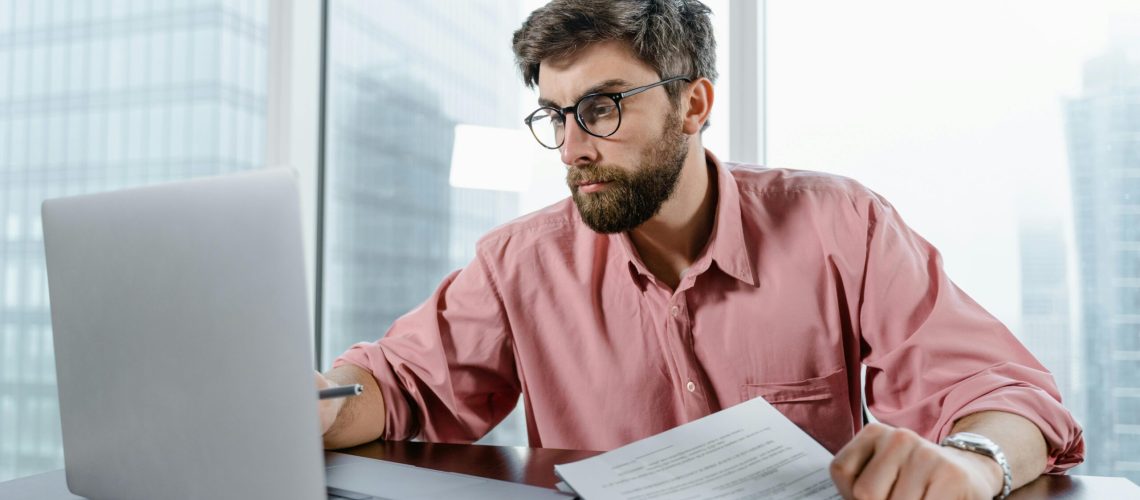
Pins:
x,y
97,96
109,94
1103,130
401,76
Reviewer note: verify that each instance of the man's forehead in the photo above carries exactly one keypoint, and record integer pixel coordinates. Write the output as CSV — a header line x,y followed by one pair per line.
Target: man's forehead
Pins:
x,y
564,79
605,85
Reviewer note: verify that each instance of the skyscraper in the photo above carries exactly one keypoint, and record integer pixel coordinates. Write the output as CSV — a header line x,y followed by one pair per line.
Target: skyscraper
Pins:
x,y
437,65
401,75
388,201
1103,128
97,96
1045,317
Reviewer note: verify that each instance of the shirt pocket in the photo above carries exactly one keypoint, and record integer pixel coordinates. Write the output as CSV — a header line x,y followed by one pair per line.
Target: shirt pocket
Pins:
x,y
818,405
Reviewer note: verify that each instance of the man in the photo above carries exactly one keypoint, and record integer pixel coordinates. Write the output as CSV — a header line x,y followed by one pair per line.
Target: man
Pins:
x,y
672,285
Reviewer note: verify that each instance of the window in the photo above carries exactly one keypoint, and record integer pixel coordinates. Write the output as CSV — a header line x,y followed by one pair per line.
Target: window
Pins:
x,y
1128,336
1006,138
85,106
401,77
1012,146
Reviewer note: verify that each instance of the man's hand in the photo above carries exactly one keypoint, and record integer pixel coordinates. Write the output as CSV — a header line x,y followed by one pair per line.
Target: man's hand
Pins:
x,y
351,421
329,408
885,462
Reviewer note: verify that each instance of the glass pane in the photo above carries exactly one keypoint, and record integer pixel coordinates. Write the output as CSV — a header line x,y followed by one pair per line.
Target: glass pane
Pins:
x,y
87,105
402,76
1008,134
410,84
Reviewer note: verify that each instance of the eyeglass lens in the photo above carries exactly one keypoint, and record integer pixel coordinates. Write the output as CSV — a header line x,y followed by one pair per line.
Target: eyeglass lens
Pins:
x,y
599,114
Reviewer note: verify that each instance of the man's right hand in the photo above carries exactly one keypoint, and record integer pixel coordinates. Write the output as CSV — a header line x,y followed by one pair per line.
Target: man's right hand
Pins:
x,y
329,408
353,420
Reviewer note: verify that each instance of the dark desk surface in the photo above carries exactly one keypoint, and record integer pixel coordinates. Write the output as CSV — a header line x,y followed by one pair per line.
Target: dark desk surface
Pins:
x,y
535,466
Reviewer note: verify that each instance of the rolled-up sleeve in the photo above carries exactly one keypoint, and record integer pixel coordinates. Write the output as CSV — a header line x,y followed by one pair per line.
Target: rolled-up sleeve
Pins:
x,y
446,369
933,355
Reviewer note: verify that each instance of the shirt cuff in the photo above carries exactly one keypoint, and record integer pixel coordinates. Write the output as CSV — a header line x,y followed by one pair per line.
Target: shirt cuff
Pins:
x,y
1063,436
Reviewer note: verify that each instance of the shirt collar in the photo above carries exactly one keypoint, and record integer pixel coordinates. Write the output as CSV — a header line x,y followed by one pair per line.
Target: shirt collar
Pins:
x,y
726,246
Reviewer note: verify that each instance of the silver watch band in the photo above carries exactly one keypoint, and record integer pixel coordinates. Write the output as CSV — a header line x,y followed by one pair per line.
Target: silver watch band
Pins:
x,y
982,445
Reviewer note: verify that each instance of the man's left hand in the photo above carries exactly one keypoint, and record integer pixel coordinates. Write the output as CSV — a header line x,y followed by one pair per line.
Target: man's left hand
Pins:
x,y
885,462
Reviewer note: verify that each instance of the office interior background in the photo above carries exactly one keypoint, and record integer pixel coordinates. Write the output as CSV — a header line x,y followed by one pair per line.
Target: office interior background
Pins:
x,y
1007,133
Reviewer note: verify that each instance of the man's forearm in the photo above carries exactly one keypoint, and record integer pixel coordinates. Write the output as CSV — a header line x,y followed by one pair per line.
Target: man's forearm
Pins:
x,y
1020,440
361,419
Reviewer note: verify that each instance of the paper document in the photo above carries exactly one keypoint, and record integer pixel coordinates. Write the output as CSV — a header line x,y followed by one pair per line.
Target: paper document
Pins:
x,y
748,451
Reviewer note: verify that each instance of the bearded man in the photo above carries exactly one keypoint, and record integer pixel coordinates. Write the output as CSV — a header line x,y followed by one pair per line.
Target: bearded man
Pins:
x,y
671,285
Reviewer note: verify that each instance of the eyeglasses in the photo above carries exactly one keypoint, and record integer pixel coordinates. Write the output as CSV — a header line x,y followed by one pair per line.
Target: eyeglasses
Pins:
x,y
599,114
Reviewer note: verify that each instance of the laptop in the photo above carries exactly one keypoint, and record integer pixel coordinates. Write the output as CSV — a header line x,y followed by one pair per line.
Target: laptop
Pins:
x,y
183,353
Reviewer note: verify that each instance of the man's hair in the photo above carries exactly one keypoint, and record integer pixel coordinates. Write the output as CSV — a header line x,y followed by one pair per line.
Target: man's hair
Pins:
x,y
674,37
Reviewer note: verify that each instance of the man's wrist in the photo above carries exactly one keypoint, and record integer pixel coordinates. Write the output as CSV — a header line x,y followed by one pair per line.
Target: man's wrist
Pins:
x,y
984,448
986,468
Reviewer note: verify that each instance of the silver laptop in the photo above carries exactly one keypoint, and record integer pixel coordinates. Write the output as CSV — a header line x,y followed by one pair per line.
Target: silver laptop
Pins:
x,y
182,349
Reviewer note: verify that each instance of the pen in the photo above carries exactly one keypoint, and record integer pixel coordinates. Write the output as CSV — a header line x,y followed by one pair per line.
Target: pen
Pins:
x,y
342,391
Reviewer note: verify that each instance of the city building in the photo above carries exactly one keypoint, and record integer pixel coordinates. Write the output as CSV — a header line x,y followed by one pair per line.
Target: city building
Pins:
x,y
1045,311
97,96
1103,129
401,76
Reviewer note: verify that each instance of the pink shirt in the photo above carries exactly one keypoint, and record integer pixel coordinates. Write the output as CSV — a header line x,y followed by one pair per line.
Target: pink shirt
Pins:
x,y
806,276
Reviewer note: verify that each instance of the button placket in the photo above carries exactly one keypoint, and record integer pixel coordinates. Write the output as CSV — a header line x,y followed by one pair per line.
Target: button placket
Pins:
x,y
676,311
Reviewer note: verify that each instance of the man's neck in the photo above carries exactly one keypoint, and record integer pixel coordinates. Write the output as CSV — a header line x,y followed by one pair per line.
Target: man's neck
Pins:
x,y
672,240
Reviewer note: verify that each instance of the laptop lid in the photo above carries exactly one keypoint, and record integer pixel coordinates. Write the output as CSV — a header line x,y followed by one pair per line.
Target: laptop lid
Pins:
x,y
182,347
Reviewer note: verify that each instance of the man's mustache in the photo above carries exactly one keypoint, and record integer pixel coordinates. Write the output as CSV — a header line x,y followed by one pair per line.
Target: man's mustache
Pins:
x,y
592,173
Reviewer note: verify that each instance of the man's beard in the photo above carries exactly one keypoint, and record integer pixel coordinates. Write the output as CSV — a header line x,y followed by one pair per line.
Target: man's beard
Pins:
x,y
631,198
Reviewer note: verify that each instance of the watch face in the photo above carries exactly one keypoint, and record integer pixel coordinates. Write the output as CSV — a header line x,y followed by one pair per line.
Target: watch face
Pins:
x,y
974,442
973,439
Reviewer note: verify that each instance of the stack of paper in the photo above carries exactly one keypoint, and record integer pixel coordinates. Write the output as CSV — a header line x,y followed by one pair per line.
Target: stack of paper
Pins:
x,y
748,451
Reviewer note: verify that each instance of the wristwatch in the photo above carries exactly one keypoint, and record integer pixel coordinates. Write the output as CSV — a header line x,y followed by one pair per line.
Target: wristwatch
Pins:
x,y
980,444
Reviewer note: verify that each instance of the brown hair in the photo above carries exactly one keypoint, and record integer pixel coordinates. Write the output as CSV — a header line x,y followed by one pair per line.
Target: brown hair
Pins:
x,y
674,37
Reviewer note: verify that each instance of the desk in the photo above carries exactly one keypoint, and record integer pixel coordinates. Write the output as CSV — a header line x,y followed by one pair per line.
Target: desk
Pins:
x,y
535,466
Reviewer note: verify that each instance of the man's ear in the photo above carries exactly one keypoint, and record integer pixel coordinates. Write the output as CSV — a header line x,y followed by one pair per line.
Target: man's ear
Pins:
x,y
698,100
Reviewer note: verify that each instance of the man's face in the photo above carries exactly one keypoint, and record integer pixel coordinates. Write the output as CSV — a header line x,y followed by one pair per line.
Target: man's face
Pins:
x,y
617,182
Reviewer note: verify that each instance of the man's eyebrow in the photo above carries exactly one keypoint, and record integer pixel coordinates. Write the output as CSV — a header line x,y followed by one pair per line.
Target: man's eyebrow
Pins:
x,y
608,84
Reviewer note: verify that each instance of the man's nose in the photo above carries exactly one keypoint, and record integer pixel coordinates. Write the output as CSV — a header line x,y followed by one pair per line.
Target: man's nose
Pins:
x,y
578,147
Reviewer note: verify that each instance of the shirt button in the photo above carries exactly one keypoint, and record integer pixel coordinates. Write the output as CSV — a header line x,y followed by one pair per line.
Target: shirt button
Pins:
x,y
691,386
674,311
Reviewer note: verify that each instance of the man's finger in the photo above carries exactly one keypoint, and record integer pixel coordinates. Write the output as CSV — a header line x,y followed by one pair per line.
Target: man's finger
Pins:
x,y
945,484
915,474
850,460
322,382
892,449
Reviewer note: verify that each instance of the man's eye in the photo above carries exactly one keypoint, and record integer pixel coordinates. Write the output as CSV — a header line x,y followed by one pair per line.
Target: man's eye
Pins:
x,y
603,111
596,113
